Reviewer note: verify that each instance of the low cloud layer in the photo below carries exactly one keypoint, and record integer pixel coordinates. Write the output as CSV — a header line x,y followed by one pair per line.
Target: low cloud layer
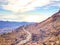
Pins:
x,y
23,18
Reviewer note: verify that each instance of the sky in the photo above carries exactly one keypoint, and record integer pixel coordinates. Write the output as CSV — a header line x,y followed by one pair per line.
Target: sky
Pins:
x,y
28,10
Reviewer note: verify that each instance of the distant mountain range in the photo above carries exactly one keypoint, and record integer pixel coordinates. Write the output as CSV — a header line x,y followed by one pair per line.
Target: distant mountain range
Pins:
x,y
6,26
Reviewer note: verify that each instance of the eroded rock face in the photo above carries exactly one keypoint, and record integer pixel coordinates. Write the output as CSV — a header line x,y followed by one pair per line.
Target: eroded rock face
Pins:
x,y
56,23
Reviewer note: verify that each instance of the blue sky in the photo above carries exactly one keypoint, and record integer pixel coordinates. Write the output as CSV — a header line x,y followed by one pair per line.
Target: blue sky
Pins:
x,y
28,10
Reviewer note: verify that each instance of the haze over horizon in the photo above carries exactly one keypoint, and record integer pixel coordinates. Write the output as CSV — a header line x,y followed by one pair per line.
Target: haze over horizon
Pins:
x,y
28,10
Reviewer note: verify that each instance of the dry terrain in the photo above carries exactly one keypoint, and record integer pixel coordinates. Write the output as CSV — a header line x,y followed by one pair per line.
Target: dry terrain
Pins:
x,y
43,33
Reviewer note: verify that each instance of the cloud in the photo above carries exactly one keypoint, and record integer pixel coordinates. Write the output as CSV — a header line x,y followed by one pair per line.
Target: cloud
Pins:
x,y
24,18
24,5
27,5
3,2
55,3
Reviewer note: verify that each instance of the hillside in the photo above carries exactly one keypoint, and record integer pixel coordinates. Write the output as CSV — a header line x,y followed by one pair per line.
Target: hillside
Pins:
x,y
43,33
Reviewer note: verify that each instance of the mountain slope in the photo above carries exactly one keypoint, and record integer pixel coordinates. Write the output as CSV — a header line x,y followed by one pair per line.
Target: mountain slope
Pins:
x,y
44,33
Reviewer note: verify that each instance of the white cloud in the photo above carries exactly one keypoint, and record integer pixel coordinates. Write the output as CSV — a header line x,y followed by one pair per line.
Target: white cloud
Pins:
x,y
55,3
24,18
3,2
24,5
27,5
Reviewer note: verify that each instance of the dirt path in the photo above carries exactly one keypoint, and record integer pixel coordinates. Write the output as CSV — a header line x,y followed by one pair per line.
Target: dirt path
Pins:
x,y
27,38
